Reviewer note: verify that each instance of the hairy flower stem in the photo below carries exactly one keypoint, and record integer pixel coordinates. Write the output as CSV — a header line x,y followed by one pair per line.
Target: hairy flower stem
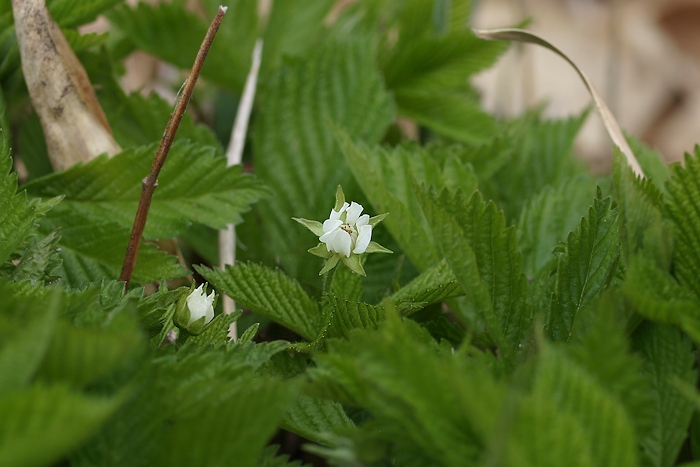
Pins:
x,y
149,184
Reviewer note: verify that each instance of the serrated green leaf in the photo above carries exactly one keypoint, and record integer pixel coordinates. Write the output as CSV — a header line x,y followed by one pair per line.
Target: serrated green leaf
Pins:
x,y
429,408
53,417
296,154
316,419
388,179
483,256
657,295
194,186
349,315
80,355
19,216
586,267
540,155
602,419
39,262
450,113
269,292
643,228
433,285
439,62
667,355
539,434
548,217
93,249
683,209
651,161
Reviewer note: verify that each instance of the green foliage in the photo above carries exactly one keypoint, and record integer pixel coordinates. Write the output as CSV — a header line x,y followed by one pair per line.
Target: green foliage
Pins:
x,y
667,355
268,292
19,216
296,154
194,186
585,266
484,258
683,191
525,318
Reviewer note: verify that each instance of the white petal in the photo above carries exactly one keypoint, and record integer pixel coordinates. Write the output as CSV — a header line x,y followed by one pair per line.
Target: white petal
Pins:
x,y
340,242
335,215
354,212
200,305
363,239
329,225
363,220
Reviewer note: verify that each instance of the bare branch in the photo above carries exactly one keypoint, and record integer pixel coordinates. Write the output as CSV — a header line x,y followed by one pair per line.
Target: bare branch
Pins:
x,y
150,183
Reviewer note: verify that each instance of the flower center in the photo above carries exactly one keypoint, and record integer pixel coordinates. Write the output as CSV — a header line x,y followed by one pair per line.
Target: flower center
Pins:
x,y
350,230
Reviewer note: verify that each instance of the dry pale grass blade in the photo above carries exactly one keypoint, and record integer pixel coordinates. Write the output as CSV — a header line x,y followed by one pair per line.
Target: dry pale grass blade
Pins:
x,y
234,153
75,127
611,125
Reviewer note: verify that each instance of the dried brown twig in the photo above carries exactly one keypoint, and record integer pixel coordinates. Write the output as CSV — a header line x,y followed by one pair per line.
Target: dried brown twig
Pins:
x,y
150,183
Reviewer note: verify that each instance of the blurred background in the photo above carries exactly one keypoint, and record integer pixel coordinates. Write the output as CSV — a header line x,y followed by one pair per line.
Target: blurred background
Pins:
x,y
642,55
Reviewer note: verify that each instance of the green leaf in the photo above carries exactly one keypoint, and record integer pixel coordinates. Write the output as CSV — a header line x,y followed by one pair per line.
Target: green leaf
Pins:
x,y
269,292
585,267
602,419
426,408
388,177
296,155
436,63
683,209
548,217
484,258
540,155
39,262
644,230
93,249
315,419
53,417
73,13
26,338
293,28
433,285
19,215
452,113
651,161
174,34
194,186
667,355
657,295
199,436
348,315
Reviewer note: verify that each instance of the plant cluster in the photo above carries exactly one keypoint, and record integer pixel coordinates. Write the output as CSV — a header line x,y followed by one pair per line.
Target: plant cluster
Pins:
x,y
531,314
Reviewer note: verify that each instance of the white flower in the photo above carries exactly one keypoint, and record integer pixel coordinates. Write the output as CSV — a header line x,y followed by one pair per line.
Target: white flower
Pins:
x,y
346,234
200,305
346,231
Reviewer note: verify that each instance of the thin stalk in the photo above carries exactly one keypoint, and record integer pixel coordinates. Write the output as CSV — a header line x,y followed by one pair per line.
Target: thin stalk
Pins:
x,y
149,184
234,154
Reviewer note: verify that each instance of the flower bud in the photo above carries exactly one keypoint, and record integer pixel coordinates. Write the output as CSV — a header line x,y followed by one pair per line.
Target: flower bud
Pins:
x,y
195,311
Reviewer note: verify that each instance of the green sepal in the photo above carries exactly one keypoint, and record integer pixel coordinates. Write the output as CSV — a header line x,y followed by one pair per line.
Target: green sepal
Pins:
x,y
249,334
377,219
339,198
314,226
320,250
375,247
353,262
197,327
182,312
330,264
